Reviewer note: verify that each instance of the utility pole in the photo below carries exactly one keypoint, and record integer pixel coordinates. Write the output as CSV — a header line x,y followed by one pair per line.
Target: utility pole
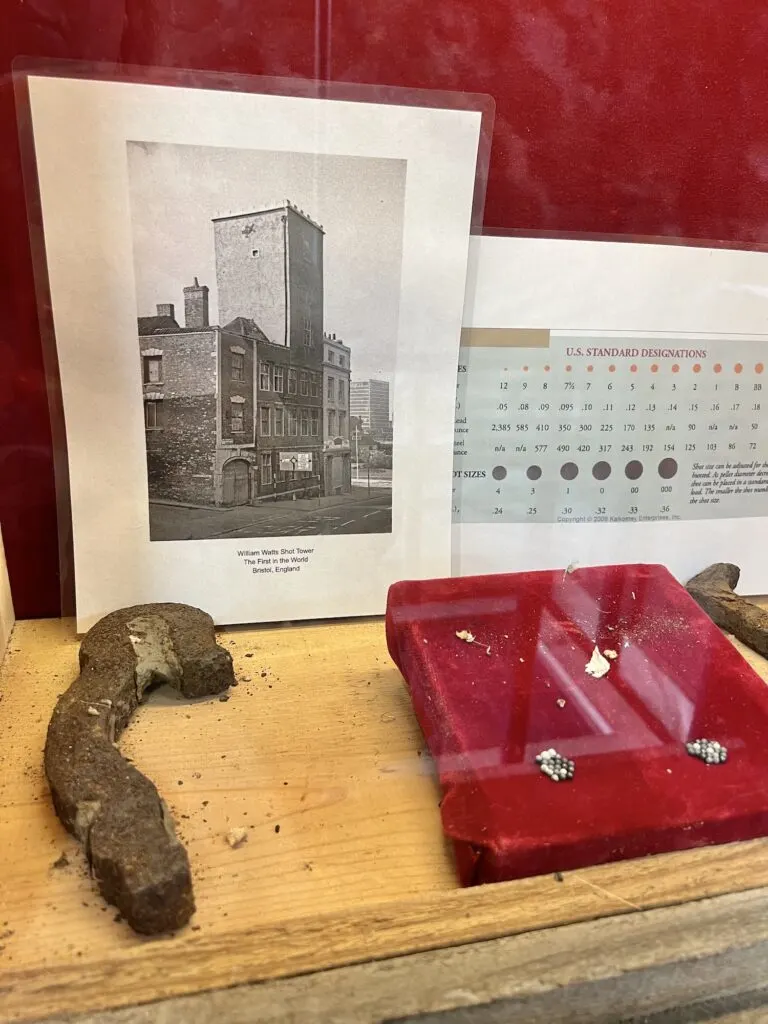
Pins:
x,y
357,454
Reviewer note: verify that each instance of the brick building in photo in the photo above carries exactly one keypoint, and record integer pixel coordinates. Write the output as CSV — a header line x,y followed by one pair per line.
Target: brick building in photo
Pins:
x,y
337,453
234,414
199,408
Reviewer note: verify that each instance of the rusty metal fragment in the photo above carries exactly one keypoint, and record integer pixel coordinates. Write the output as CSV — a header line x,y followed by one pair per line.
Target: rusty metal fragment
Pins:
x,y
714,590
114,810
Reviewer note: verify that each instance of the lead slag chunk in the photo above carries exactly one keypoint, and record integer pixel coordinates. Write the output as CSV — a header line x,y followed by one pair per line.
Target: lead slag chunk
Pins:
x,y
708,751
554,765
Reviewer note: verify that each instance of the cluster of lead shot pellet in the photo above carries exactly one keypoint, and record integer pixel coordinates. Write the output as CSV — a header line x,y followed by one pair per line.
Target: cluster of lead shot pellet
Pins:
x,y
557,767
709,751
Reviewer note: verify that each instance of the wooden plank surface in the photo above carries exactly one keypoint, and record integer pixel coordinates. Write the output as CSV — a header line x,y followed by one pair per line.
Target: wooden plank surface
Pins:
x,y
319,739
701,961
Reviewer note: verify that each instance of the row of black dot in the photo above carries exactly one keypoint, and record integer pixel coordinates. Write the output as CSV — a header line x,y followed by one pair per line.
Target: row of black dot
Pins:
x,y
633,470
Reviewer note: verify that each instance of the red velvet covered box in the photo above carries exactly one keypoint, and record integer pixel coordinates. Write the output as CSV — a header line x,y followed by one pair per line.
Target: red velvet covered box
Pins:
x,y
489,706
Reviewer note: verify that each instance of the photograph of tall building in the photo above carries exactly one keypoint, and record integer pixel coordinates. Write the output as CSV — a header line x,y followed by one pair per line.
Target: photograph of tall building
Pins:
x,y
248,414
369,403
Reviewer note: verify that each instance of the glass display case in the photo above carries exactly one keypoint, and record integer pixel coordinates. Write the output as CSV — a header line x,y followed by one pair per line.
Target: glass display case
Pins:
x,y
382,493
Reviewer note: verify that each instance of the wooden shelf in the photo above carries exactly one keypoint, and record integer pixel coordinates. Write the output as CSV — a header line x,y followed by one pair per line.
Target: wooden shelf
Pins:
x,y
318,739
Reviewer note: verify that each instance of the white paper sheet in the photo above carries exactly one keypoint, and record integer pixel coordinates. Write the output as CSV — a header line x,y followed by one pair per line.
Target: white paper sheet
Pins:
x,y
104,268
6,603
612,407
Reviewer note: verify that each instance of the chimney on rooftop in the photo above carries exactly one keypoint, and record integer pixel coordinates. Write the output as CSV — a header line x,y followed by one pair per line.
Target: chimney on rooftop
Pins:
x,y
166,309
196,305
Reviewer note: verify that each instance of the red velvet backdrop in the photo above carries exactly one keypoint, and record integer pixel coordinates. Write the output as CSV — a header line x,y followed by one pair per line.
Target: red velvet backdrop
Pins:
x,y
629,116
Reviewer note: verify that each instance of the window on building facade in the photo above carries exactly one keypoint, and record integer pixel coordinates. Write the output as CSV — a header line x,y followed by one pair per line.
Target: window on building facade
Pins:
x,y
342,361
342,395
264,420
331,423
238,366
291,382
342,424
278,379
152,415
330,389
304,419
314,419
278,423
264,376
316,384
238,417
266,467
303,383
307,325
153,369
291,428
330,356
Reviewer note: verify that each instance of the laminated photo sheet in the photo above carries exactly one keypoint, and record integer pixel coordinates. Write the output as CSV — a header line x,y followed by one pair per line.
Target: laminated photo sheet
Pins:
x,y
257,305
611,407
7,618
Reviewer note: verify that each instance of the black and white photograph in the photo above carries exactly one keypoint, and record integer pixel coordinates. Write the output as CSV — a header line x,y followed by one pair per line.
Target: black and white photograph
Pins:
x,y
268,291
257,302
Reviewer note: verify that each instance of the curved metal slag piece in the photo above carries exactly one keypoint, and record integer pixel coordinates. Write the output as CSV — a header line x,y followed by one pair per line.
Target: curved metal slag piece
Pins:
x,y
115,812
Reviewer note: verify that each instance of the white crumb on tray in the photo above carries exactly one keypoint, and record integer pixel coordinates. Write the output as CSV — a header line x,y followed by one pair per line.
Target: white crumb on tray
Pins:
x,y
467,637
237,836
597,666
613,655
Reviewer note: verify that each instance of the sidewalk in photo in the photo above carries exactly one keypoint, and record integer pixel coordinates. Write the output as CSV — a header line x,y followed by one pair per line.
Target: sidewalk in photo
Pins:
x,y
359,492
358,512
375,482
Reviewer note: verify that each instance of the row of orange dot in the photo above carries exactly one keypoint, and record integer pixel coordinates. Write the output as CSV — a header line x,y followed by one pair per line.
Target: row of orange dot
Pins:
x,y
717,368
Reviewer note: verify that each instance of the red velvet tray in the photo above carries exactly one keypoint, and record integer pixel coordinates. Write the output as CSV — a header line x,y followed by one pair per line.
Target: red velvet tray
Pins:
x,y
636,790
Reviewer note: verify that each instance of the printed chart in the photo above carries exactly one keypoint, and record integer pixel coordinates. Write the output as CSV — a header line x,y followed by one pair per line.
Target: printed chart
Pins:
x,y
623,427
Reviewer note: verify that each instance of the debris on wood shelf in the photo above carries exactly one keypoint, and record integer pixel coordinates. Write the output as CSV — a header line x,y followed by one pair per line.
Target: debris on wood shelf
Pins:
x,y
237,836
115,812
597,666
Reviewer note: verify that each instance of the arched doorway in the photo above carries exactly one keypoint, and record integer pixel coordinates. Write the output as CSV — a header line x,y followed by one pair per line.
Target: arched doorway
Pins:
x,y
236,482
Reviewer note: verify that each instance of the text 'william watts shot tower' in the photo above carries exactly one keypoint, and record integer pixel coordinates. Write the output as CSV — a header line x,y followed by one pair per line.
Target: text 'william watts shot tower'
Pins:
x,y
234,414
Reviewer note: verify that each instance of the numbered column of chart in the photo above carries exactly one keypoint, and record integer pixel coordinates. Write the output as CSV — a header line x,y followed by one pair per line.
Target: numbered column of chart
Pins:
x,y
556,436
